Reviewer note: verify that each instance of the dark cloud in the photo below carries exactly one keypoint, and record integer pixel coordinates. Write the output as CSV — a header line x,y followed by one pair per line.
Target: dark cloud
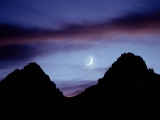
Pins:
x,y
25,51
7,31
138,21
15,52
13,34
147,22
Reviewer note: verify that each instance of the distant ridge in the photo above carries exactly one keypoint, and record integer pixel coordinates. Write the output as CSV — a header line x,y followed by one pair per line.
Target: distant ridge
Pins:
x,y
128,90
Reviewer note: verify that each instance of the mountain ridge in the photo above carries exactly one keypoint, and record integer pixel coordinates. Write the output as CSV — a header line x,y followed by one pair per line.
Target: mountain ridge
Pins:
x,y
127,90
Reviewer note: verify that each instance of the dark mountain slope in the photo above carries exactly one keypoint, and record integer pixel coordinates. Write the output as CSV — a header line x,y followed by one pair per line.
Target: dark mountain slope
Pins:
x,y
128,90
29,93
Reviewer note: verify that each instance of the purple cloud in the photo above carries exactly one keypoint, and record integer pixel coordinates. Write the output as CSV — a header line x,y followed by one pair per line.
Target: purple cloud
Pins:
x,y
73,87
17,53
133,23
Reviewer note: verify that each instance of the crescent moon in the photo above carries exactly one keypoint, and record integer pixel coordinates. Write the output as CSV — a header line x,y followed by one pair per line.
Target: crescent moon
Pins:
x,y
90,61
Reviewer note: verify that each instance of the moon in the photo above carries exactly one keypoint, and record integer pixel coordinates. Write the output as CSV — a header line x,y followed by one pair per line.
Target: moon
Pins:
x,y
90,61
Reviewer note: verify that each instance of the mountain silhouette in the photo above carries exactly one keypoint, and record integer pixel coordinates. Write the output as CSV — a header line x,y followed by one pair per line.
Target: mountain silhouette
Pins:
x,y
29,93
128,90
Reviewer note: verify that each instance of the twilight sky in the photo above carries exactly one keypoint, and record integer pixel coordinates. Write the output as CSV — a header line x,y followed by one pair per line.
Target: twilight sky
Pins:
x,y
62,35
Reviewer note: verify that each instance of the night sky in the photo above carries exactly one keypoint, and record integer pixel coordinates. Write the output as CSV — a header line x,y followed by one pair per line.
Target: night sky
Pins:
x,y
62,35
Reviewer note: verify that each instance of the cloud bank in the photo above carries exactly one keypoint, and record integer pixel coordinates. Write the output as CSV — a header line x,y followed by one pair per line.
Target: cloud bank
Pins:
x,y
133,24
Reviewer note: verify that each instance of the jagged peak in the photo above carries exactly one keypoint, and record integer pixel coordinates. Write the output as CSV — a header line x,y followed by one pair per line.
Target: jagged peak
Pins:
x,y
127,64
31,73
130,60
33,68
